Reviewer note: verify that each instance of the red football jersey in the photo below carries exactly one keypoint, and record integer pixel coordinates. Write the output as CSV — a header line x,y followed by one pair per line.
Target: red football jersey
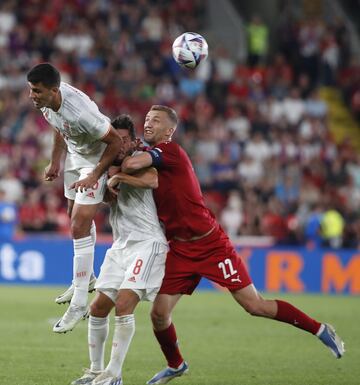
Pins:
x,y
179,201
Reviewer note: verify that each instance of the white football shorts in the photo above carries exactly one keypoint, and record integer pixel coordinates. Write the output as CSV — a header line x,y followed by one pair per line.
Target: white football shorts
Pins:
x,y
140,266
91,196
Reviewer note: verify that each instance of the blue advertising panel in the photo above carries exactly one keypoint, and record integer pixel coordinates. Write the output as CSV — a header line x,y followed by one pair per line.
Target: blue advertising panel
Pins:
x,y
48,261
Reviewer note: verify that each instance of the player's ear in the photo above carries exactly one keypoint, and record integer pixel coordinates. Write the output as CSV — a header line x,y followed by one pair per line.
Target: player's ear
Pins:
x,y
172,130
169,132
55,89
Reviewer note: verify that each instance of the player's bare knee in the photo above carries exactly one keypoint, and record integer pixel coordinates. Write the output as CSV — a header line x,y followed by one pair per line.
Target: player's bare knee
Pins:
x,y
95,309
254,308
126,302
99,309
124,307
159,319
80,228
260,308
75,229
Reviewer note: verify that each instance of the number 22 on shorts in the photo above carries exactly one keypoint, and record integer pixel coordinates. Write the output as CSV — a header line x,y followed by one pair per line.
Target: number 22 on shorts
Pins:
x,y
227,268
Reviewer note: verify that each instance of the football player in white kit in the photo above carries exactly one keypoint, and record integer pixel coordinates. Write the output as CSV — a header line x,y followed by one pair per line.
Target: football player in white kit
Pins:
x,y
91,145
133,267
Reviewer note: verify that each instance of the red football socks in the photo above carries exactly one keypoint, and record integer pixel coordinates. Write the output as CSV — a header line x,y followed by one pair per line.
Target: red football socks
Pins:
x,y
169,345
291,315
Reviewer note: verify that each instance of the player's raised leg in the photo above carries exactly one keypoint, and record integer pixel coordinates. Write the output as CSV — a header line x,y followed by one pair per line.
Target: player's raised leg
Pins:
x,y
82,215
283,311
66,296
81,219
165,333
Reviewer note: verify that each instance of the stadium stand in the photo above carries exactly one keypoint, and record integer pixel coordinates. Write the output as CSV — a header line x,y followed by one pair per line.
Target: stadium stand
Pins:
x,y
258,132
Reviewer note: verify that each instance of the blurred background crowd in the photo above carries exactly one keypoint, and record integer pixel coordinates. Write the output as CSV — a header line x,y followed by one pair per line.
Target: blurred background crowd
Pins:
x,y
257,128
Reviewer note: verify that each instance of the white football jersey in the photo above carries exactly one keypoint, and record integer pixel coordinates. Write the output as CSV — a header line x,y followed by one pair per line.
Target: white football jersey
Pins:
x,y
80,123
134,217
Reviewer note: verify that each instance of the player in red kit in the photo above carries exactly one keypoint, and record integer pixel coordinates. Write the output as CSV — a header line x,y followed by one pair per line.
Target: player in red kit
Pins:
x,y
199,247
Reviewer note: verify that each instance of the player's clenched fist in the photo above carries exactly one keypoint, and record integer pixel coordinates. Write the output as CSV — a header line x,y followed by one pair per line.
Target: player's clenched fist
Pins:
x,y
51,171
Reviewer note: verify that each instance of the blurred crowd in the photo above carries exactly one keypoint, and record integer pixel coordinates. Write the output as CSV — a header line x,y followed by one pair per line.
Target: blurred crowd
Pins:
x,y
256,131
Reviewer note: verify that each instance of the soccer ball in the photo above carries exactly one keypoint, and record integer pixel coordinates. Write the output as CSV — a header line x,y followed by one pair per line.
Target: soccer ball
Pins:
x,y
189,49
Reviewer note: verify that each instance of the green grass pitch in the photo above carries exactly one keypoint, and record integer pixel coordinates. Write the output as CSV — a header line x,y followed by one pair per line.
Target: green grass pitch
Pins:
x,y
223,345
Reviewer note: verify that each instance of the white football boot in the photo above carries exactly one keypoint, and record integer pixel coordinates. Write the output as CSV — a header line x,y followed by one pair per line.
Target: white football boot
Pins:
x,y
73,315
86,378
106,378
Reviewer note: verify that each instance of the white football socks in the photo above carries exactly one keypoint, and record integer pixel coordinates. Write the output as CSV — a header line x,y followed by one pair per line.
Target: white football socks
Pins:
x,y
83,267
98,330
123,333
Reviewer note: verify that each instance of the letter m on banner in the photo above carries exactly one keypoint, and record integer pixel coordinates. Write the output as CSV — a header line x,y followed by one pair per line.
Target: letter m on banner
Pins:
x,y
338,277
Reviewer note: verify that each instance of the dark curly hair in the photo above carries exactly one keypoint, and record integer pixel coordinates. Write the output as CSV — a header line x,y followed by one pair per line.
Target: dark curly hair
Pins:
x,y
44,73
124,122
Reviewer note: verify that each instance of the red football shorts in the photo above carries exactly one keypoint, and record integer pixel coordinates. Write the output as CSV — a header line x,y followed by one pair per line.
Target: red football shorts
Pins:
x,y
212,257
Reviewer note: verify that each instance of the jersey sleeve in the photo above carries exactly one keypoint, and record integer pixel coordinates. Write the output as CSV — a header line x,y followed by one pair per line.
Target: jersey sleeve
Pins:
x,y
94,123
164,155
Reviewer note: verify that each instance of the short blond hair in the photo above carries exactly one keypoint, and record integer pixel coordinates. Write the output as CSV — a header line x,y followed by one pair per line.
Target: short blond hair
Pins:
x,y
171,113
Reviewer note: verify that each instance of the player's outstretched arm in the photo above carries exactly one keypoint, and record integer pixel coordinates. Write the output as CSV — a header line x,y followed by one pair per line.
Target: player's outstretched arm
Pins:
x,y
52,170
135,163
147,178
